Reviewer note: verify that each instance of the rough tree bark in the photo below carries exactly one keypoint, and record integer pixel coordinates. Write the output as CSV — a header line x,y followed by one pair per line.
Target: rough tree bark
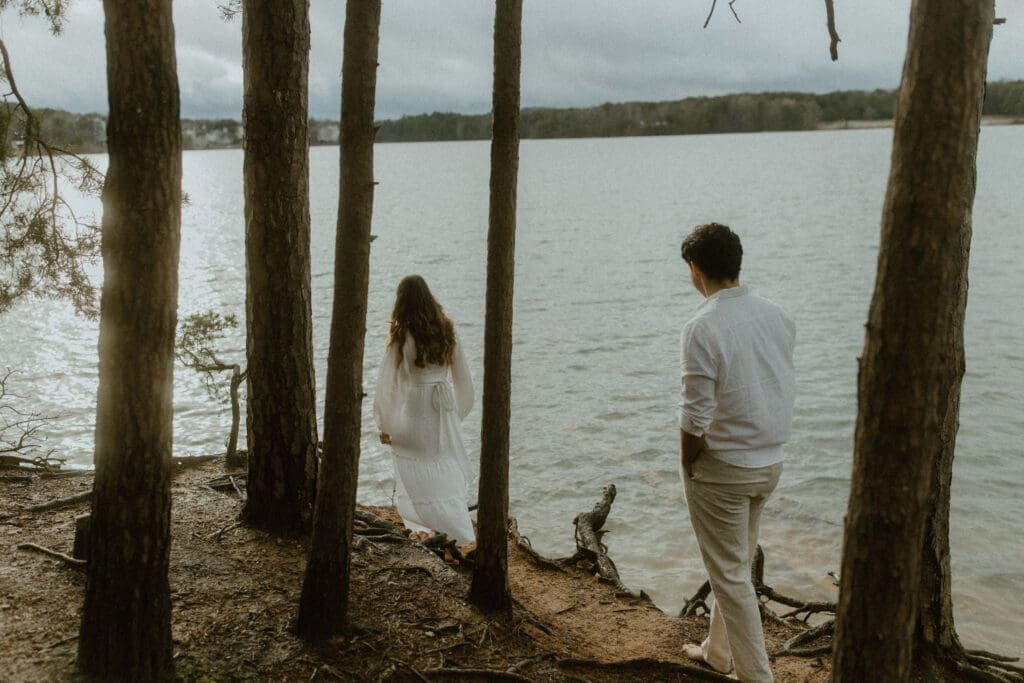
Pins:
x,y
489,588
323,606
126,622
895,572
281,424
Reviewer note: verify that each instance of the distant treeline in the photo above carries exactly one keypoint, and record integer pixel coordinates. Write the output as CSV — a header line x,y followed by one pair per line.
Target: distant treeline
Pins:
x,y
694,115
726,114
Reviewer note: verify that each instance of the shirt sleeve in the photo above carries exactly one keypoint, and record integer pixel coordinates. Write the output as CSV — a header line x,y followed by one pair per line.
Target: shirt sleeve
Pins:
x,y
698,382
462,381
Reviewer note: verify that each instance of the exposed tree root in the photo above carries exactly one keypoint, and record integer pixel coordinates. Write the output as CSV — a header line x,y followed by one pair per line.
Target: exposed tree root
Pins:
x,y
802,611
524,543
444,674
67,559
644,668
792,647
60,502
980,665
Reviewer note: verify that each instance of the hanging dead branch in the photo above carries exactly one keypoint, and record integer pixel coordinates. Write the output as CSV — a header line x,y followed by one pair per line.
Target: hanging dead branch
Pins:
x,y
711,12
830,12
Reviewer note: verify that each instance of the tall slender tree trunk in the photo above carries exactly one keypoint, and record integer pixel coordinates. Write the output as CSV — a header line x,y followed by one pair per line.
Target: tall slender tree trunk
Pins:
x,y
282,432
895,571
323,606
489,589
126,622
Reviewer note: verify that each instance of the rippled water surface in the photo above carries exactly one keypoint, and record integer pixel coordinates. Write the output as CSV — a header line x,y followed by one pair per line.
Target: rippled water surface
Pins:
x,y
600,296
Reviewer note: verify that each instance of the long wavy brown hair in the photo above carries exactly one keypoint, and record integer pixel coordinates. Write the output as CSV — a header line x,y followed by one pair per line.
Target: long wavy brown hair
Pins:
x,y
417,312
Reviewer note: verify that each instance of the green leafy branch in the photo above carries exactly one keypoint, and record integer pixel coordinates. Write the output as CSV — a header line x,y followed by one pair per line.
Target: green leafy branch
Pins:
x,y
45,246
198,335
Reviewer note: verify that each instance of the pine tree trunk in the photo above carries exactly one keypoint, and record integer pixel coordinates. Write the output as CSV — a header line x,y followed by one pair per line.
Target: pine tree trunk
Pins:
x,y
489,589
282,431
323,606
895,571
956,73
126,621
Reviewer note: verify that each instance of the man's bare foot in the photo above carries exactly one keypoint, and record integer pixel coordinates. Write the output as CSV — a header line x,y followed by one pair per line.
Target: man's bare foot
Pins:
x,y
693,651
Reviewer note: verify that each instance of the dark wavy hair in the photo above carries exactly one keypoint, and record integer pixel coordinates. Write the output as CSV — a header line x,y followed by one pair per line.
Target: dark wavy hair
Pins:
x,y
417,312
715,249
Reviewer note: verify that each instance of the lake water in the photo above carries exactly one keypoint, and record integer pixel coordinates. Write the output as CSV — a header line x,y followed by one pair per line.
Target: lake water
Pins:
x,y
600,296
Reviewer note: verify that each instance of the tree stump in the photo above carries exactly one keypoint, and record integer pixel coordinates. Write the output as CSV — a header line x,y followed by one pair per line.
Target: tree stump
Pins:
x,y
83,524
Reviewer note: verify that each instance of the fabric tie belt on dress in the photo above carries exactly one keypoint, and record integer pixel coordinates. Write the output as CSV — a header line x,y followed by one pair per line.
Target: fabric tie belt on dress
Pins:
x,y
442,397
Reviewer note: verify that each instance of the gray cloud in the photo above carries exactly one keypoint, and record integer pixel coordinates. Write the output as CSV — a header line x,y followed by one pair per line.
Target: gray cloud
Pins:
x,y
435,55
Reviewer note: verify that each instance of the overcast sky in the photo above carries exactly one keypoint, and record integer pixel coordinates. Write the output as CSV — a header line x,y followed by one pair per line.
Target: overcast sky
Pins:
x,y
435,55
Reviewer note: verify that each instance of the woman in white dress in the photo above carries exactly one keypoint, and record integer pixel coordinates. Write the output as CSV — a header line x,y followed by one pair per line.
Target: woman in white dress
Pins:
x,y
424,390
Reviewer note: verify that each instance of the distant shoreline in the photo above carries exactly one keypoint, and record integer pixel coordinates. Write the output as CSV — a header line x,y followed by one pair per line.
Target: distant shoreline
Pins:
x,y
989,120
735,113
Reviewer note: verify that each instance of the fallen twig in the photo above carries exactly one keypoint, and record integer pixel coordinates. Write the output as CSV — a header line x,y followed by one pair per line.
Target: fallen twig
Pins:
x,y
52,553
224,529
234,484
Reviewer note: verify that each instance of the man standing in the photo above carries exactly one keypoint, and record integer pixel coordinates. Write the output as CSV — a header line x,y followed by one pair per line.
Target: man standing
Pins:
x,y
735,414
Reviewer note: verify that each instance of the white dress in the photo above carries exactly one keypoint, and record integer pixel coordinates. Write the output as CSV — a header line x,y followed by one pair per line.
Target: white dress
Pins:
x,y
422,409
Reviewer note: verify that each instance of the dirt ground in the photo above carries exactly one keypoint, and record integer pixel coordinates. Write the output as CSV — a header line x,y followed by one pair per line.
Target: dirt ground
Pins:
x,y
235,591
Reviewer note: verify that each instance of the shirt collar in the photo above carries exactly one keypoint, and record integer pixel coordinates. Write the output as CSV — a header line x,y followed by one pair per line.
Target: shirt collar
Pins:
x,y
727,293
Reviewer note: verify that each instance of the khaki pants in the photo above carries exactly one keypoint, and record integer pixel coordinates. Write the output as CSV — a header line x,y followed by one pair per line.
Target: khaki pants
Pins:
x,y
725,504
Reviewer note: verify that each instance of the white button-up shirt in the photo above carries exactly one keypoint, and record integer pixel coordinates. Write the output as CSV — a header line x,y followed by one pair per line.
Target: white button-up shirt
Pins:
x,y
738,383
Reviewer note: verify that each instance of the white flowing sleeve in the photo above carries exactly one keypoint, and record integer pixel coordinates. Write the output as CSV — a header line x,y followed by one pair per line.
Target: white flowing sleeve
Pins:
x,y
387,399
462,381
